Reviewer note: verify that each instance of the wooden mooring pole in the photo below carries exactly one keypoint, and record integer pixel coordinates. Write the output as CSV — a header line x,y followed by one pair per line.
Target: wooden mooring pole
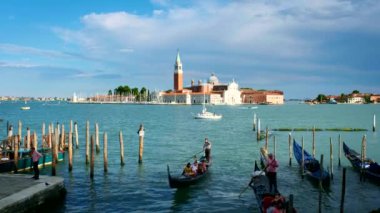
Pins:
x,y
16,153
266,138
87,142
56,144
20,128
53,162
121,148
374,123
35,142
340,150
76,135
331,160
320,186
343,191
258,129
290,149
97,137
43,140
70,150
313,141
254,122
303,160
27,138
141,133
105,152
363,156
92,158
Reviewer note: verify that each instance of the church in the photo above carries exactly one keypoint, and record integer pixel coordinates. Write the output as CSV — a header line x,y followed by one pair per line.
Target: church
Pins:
x,y
210,92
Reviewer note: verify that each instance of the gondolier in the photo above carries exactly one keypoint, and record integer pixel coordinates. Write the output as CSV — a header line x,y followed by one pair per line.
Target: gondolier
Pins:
x,y
35,157
207,149
272,165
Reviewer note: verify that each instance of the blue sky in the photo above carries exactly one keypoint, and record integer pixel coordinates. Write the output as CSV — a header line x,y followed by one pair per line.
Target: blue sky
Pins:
x,y
55,48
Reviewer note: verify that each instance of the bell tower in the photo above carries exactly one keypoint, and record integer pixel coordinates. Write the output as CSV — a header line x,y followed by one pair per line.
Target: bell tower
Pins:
x,y
178,74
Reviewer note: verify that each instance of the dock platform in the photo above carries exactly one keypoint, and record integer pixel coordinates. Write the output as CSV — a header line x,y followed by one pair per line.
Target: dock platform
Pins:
x,y
21,193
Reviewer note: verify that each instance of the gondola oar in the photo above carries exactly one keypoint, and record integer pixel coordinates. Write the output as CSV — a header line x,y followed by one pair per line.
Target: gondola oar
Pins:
x,y
261,172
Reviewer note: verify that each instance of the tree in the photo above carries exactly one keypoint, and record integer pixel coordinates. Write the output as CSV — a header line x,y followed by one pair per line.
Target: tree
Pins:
x,y
321,98
355,92
110,92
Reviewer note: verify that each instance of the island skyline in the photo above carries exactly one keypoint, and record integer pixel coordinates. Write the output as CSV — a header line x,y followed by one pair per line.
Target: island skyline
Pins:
x,y
54,49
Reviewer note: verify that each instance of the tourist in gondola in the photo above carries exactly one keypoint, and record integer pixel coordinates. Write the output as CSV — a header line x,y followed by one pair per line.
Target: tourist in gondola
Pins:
x,y
188,171
207,149
271,172
277,205
194,167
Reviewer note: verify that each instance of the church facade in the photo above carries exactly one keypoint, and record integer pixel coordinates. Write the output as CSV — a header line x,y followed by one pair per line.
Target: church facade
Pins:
x,y
210,92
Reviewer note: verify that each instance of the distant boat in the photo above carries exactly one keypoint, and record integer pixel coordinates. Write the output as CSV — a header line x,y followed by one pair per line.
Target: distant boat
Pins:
x,y
205,114
25,107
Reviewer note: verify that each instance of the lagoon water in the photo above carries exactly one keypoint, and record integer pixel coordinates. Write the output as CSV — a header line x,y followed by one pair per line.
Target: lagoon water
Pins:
x,y
172,136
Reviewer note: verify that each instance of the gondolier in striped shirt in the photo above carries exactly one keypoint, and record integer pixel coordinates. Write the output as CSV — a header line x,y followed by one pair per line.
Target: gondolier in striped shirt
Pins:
x,y
35,157
271,170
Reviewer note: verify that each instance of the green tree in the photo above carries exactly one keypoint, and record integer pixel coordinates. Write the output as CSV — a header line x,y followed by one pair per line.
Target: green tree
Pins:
x,y
110,92
321,98
355,92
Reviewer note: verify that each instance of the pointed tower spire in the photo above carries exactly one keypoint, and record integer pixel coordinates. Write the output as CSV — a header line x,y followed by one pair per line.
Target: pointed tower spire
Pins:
x,y
178,73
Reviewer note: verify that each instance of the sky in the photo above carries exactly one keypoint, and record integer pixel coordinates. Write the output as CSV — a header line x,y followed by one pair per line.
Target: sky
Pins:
x,y
302,47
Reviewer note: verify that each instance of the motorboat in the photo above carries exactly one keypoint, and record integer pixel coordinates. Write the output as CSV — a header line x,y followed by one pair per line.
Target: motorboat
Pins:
x,y
207,115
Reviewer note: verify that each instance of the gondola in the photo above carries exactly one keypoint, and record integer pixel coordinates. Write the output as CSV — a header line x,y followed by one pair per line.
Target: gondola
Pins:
x,y
311,165
260,187
182,181
370,168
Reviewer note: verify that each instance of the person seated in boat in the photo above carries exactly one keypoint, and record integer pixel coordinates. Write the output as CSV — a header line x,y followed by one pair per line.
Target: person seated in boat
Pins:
x,y
277,205
187,171
194,167
200,169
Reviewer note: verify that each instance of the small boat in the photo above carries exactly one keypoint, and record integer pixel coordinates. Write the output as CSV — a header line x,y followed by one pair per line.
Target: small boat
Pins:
x,y
311,165
25,161
207,115
260,187
182,181
25,108
370,168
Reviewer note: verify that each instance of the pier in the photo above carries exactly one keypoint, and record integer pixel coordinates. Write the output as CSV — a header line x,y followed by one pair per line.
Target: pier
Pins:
x,y
20,193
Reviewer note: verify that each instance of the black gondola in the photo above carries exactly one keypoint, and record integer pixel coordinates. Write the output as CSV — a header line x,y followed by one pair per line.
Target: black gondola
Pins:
x,y
182,181
370,168
311,165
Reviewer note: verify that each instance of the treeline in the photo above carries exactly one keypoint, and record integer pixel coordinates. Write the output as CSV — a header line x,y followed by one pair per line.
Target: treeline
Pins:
x,y
343,98
138,94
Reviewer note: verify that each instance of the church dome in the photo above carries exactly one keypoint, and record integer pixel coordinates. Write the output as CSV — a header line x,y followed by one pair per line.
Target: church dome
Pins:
x,y
213,79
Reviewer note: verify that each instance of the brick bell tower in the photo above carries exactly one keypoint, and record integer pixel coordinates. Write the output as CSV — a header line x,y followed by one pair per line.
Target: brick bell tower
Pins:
x,y
178,74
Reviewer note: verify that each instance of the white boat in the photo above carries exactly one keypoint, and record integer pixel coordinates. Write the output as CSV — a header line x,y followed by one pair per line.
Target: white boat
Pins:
x,y
205,114
25,107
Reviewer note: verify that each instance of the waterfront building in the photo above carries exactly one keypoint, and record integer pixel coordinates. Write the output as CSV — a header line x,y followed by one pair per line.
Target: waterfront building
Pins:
x,y
250,96
375,98
356,99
